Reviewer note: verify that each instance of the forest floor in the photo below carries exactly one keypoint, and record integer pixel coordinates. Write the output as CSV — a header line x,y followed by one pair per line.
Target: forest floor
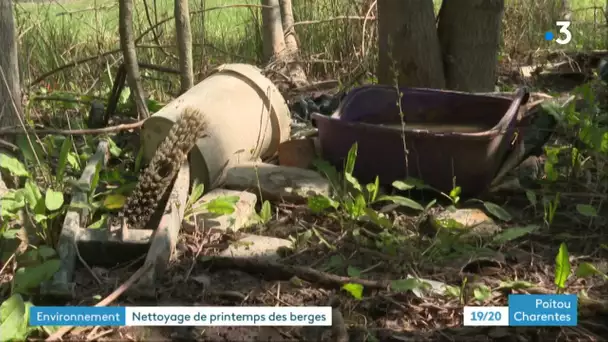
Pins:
x,y
538,226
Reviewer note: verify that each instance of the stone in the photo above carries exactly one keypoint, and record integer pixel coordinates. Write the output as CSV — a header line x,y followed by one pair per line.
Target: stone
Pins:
x,y
473,222
277,183
256,246
244,209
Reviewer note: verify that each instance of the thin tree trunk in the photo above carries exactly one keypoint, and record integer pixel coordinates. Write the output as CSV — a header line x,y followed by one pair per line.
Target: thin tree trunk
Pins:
x,y
296,70
184,43
469,32
288,27
274,42
127,44
408,44
10,88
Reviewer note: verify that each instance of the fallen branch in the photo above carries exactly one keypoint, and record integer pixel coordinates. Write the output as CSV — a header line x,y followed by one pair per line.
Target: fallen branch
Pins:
x,y
277,270
110,129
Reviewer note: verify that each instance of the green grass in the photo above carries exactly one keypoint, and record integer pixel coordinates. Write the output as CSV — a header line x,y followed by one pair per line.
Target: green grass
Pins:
x,y
57,33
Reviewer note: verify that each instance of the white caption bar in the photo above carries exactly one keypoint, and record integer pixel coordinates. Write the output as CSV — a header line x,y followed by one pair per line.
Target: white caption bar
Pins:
x,y
228,315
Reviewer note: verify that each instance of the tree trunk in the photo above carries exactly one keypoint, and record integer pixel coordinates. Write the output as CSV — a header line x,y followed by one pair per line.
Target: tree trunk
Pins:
x,y
10,87
127,44
288,28
184,43
469,33
274,41
408,44
296,70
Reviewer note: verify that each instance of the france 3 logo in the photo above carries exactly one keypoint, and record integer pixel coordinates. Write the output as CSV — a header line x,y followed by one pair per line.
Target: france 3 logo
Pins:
x,y
565,36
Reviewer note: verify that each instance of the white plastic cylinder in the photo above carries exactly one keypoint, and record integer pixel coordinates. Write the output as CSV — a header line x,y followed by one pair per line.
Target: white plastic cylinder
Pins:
x,y
247,119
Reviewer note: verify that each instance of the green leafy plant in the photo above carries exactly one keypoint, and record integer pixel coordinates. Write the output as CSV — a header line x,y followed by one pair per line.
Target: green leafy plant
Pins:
x,y
562,267
222,205
350,196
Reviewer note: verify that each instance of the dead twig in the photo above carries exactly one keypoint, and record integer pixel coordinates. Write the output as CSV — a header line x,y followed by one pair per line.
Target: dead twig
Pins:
x,y
277,270
108,300
110,129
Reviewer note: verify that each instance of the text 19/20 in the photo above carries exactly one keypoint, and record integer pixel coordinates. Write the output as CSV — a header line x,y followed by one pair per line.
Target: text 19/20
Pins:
x,y
486,316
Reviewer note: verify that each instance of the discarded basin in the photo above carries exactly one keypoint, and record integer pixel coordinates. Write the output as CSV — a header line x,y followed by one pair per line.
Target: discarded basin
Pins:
x,y
452,138
247,119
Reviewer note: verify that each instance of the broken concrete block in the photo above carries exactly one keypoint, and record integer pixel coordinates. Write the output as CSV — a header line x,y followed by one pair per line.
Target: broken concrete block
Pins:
x,y
244,209
277,183
256,246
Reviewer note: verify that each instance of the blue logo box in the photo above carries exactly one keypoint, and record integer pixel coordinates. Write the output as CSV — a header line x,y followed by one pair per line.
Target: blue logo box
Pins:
x,y
543,310
80,316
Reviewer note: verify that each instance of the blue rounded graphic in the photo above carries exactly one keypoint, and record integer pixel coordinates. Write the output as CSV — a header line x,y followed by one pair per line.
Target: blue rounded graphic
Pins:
x,y
548,35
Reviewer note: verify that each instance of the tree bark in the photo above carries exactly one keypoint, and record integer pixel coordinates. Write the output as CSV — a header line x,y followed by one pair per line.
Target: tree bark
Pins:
x,y
273,39
469,33
127,45
184,43
296,70
10,87
288,28
408,44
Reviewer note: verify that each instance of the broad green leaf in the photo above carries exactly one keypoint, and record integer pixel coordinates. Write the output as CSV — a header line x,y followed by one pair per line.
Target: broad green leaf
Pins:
x,y
531,195
404,285
353,181
586,210
11,202
403,201
33,196
328,170
513,233
223,205
320,203
81,205
586,269
353,272
482,293
28,278
454,193
95,180
355,290
351,159
115,151
73,161
497,211
63,158
53,199
378,219
197,191
452,291
357,207
562,266
29,154
99,223
403,186
266,212
13,165
114,201
46,252
13,323
410,183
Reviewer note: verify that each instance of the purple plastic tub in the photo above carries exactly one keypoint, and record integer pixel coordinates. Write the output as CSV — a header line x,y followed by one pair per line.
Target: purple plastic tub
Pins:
x,y
452,137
